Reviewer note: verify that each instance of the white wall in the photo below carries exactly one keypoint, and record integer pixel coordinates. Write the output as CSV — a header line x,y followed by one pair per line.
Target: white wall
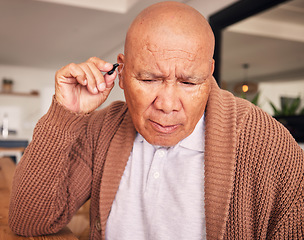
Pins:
x,y
208,7
24,111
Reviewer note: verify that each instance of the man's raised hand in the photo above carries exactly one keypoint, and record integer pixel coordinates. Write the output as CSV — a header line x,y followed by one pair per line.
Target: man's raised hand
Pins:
x,y
82,88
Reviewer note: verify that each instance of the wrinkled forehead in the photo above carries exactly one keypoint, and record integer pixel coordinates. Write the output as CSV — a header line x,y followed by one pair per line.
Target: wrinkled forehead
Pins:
x,y
170,62
170,53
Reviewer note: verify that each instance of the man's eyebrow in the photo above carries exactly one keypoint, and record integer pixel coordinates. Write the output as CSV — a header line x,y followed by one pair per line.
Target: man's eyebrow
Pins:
x,y
194,79
148,75
183,77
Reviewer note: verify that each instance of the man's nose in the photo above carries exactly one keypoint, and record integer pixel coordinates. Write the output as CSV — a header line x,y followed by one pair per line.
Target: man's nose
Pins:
x,y
168,99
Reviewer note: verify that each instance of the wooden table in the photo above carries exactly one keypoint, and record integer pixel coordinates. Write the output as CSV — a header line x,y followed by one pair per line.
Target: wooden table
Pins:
x,y
7,168
13,151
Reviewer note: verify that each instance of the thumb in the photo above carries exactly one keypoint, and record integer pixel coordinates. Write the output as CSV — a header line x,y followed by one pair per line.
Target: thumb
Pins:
x,y
109,79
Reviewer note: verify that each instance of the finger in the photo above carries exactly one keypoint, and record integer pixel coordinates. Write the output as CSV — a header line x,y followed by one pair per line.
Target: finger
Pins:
x,y
70,72
101,64
109,79
99,78
90,77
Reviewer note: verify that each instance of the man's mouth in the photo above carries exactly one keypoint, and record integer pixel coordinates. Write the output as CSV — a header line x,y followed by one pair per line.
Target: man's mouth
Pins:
x,y
165,129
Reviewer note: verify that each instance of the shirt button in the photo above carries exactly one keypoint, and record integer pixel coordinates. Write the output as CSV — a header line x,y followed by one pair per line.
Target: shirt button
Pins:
x,y
98,225
161,153
156,175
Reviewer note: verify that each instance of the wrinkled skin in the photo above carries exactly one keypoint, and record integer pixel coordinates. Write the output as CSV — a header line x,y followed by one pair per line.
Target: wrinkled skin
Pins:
x,y
167,70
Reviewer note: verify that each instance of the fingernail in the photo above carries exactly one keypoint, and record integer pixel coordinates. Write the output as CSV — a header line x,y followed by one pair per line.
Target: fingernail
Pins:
x,y
95,90
102,87
108,65
85,82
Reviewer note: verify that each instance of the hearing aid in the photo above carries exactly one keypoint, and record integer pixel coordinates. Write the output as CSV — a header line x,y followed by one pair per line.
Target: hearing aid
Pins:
x,y
115,65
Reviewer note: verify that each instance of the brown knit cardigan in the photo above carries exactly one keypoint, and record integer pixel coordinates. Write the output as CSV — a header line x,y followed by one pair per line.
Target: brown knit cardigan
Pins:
x,y
253,171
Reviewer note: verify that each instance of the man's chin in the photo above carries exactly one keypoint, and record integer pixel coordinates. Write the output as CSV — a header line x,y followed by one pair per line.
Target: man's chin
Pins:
x,y
163,141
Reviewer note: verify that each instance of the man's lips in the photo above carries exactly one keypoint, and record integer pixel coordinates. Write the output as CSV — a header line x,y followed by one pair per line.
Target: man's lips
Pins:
x,y
167,129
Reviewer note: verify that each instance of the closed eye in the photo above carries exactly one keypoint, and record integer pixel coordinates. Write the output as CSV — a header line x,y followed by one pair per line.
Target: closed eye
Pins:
x,y
149,80
192,81
188,83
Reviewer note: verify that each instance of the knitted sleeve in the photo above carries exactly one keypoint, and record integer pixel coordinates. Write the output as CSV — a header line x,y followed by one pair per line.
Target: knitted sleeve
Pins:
x,y
268,199
54,176
288,222
292,223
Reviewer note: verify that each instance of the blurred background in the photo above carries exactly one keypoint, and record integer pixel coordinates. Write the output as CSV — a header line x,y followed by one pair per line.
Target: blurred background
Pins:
x,y
262,57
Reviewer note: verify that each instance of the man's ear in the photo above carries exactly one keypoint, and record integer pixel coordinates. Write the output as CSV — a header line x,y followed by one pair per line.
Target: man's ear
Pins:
x,y
212,66
121,61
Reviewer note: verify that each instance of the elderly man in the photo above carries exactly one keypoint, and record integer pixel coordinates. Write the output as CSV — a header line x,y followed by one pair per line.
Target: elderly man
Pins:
x,y
181,159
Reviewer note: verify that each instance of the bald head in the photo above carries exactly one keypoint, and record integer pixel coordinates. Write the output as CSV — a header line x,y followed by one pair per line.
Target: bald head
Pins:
x,y
164,21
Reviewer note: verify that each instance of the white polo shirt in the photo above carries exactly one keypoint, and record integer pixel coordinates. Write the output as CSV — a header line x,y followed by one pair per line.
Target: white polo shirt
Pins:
x,y
161,193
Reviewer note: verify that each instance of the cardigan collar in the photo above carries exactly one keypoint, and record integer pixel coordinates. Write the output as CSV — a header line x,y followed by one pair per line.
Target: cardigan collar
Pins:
x,y
220,151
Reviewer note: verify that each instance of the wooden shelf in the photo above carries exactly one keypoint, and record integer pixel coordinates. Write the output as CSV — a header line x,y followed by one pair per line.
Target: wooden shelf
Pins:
x,y
31,94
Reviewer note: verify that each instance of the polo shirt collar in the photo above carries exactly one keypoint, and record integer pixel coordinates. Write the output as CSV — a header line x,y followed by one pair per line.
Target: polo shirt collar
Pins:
x,y
196,140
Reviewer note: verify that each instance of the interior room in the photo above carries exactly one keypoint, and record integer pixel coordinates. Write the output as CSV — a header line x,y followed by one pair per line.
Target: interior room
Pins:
x,y
261,59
